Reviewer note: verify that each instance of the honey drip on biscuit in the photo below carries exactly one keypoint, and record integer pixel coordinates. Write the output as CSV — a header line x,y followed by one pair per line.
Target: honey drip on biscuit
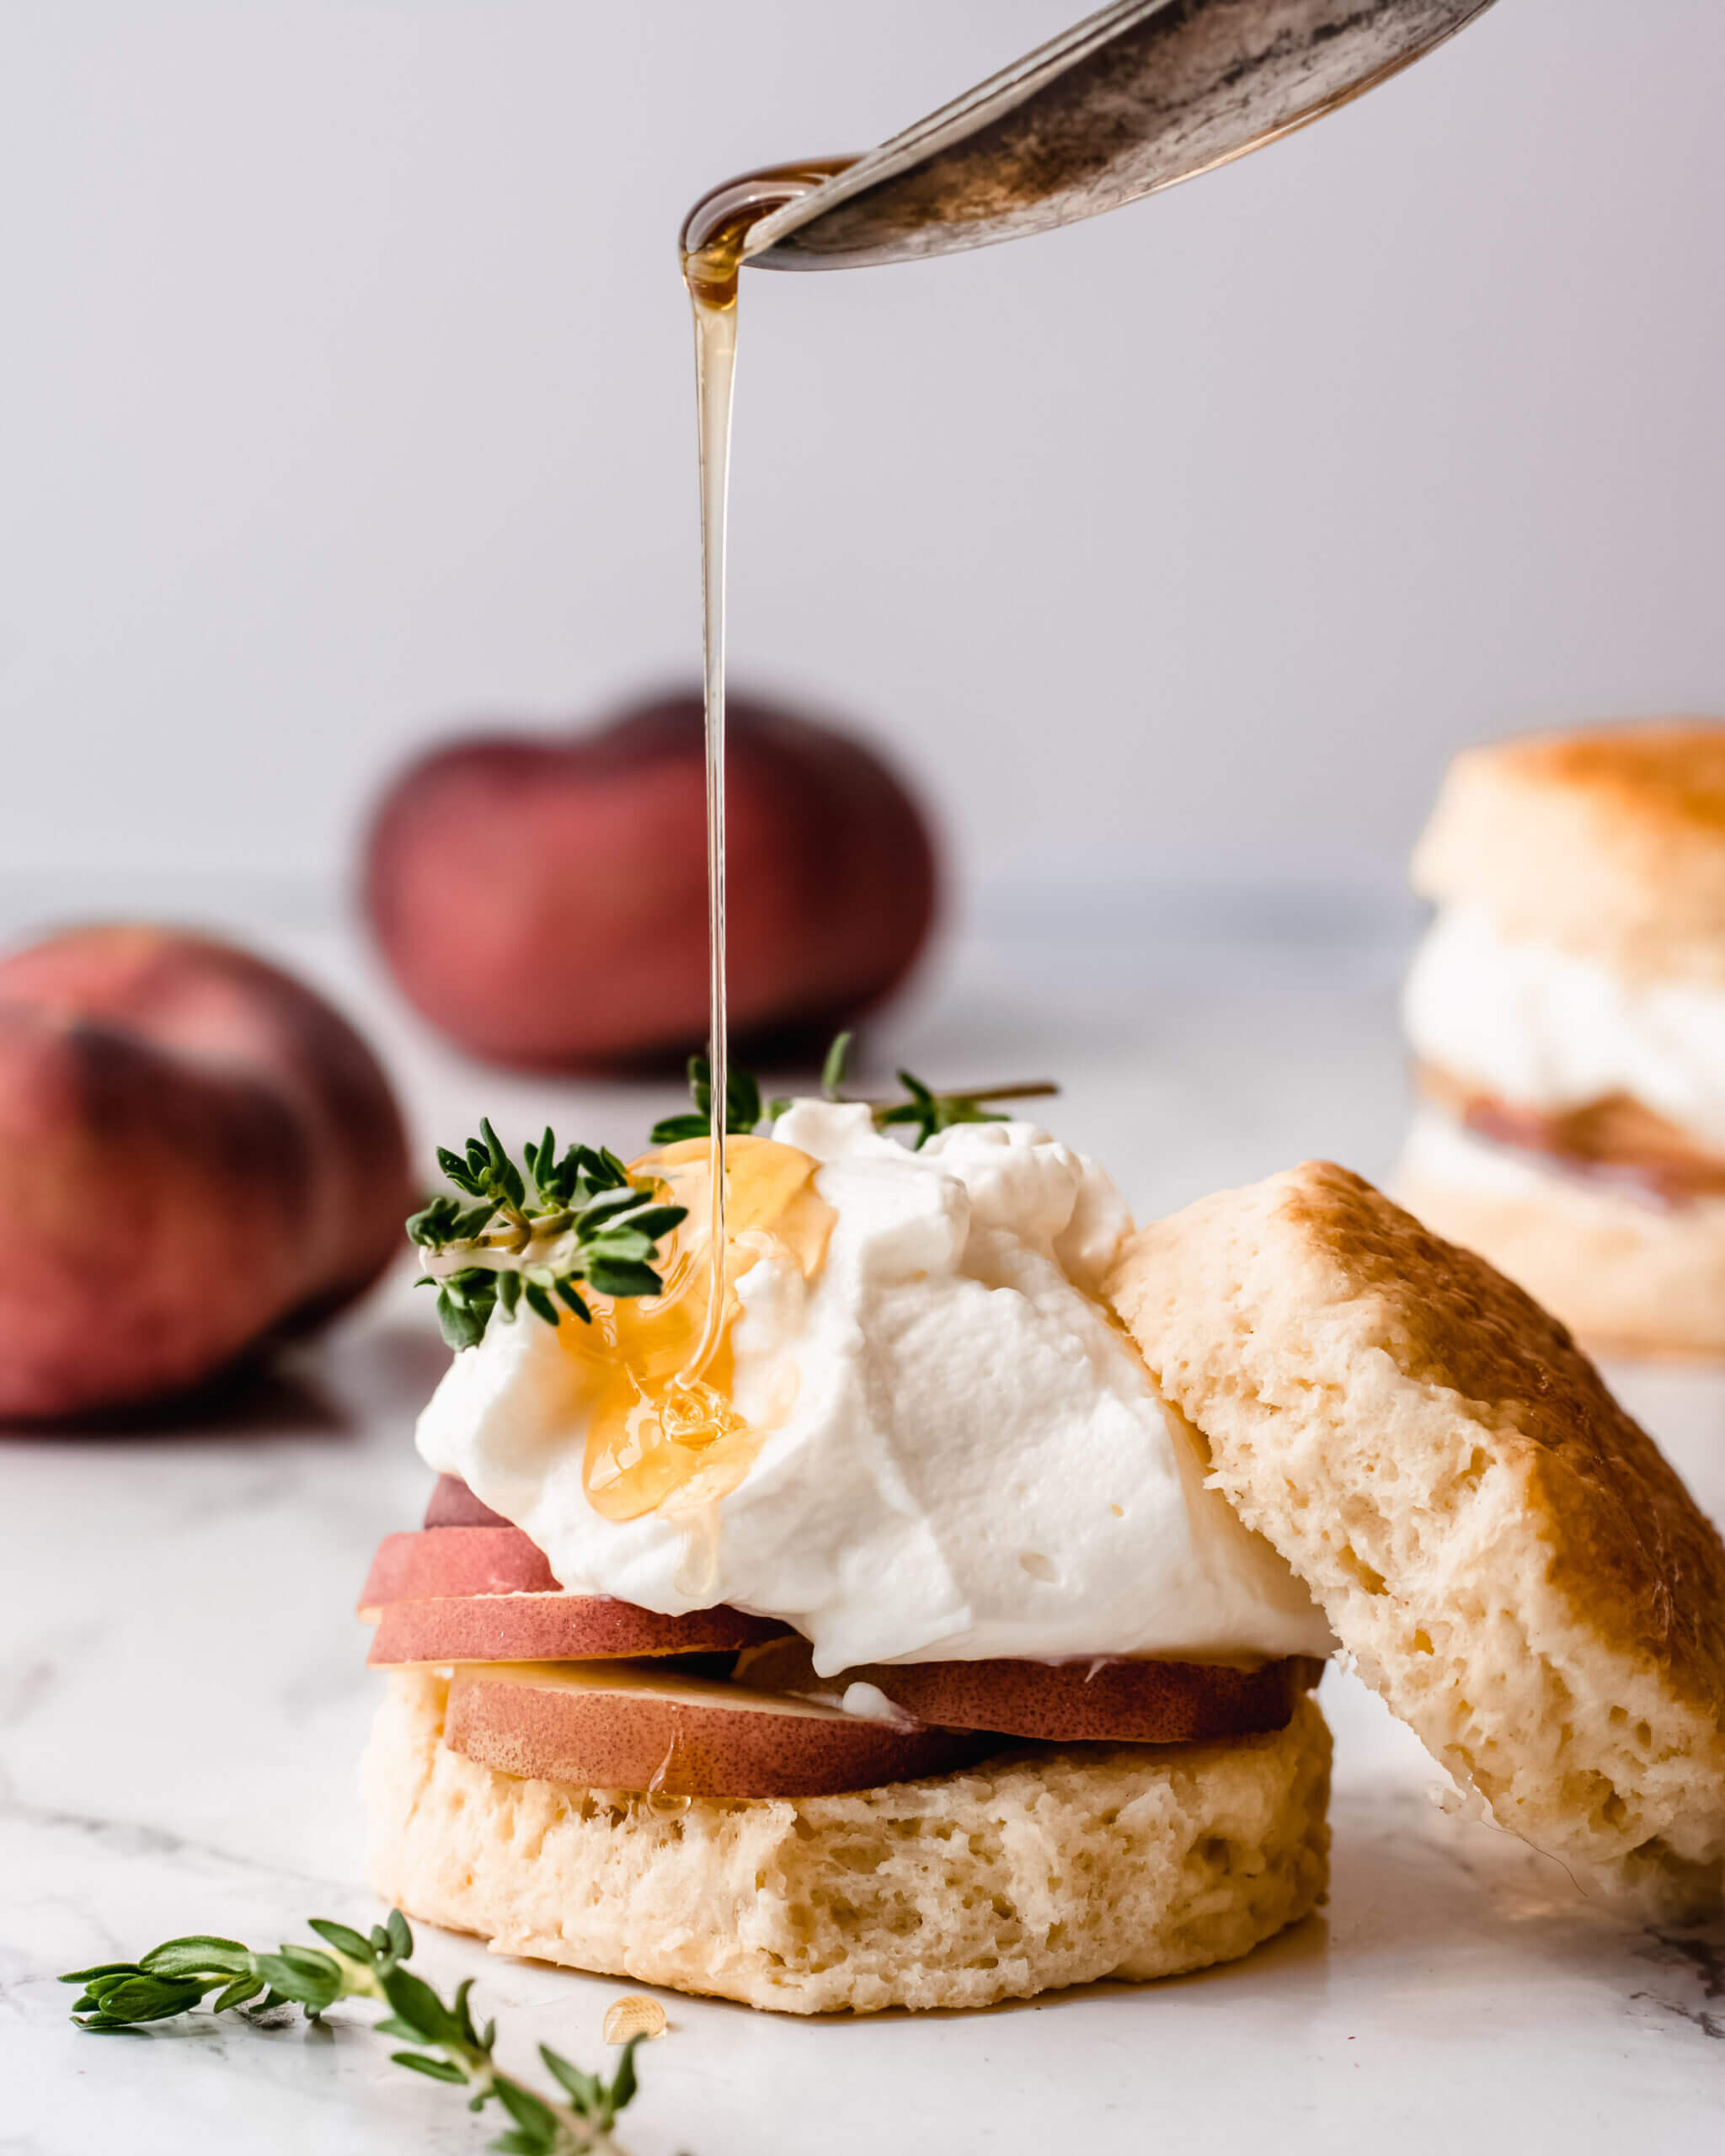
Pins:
x,y
655,1436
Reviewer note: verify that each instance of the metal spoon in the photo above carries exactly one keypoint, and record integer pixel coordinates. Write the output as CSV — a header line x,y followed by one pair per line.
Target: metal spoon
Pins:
x,y
1140,95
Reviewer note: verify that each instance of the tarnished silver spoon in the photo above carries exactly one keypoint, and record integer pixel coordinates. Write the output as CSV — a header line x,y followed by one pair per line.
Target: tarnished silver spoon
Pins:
x,y
1138,96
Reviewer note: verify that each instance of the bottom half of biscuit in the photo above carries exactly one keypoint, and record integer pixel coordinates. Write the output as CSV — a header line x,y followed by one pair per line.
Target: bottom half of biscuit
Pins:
x,y
1041,1867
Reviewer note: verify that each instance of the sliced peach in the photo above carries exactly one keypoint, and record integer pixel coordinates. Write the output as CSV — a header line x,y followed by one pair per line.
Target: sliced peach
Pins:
x,y
1104,1700
552,1627
454,1561
453,1504
629,1726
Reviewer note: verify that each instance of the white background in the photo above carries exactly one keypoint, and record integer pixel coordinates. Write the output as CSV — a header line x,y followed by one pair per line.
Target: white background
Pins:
x,y
347,396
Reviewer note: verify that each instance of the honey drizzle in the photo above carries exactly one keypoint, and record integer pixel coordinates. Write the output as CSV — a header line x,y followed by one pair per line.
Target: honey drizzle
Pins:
x,y
715,239
715,374
656,1372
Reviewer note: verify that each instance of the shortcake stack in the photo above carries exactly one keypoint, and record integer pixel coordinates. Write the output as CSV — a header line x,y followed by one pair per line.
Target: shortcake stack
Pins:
x,y
1567,1018
967,1648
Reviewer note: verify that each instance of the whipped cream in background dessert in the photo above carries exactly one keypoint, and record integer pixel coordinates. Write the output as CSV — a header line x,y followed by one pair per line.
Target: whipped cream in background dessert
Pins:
x,y
1545,1029
962,1455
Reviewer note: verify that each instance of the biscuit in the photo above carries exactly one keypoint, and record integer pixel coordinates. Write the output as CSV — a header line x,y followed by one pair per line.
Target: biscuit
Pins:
x,y
1506,1555
1036,1869
1609,843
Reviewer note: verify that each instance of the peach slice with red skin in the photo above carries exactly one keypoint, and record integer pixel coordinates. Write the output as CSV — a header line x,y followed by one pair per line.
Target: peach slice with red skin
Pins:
x,y
453,1504
630,1725
551,1628
455,1561
1106,1701
487,1594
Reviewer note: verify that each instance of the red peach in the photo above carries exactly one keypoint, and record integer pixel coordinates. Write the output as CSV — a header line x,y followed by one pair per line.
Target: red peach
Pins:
x,y
543,901
199,1154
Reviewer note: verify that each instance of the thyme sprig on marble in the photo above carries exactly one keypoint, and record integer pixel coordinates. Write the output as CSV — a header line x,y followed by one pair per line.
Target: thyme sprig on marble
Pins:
x,y
922,1108
174,1977
533,1234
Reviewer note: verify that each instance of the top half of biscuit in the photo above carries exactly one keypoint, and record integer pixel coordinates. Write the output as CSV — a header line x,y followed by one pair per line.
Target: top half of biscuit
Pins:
x,y
1511,1561
1609,843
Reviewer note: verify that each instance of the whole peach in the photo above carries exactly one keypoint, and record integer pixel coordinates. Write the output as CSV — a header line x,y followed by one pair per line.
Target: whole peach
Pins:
x,y
196,1152
543,901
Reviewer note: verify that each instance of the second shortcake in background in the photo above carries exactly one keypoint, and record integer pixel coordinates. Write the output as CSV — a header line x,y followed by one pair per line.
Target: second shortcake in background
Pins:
x,y
1567,1018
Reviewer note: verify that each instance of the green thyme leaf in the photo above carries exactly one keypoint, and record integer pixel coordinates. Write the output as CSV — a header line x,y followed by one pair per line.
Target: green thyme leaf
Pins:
x,y
653,1221
343,1939
437,2069
194,1956
416,2005
671,1129
525,2108
624,2082
930,1112
599,1212
585,2091
832,1071
143,1998
742,1100
566,1294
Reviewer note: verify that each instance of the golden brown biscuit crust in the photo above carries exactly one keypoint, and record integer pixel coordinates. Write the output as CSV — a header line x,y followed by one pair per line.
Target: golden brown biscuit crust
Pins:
x,y
1511,1560
1638,1559
1609,843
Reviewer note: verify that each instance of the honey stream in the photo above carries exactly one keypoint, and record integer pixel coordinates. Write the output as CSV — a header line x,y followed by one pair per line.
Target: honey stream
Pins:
x,y
655,1373
714,237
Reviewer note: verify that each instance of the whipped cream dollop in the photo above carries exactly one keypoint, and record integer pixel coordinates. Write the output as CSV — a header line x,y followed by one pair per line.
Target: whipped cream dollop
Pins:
x,y
1540,1026
975,1463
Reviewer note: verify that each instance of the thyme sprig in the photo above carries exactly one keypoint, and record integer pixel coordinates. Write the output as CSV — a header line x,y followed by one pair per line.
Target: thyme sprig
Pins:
x,y
922,1109
577,1216
528,1234
174,1977
743,1107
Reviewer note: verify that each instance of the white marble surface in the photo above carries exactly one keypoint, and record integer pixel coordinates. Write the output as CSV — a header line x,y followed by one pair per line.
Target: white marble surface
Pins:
x,y
183,1699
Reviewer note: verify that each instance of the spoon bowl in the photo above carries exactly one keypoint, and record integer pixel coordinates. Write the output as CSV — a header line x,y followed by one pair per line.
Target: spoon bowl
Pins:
x,y
1137,96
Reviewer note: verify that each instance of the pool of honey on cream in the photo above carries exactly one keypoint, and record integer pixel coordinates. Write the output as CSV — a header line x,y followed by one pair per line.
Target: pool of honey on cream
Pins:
x,y
656,1436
